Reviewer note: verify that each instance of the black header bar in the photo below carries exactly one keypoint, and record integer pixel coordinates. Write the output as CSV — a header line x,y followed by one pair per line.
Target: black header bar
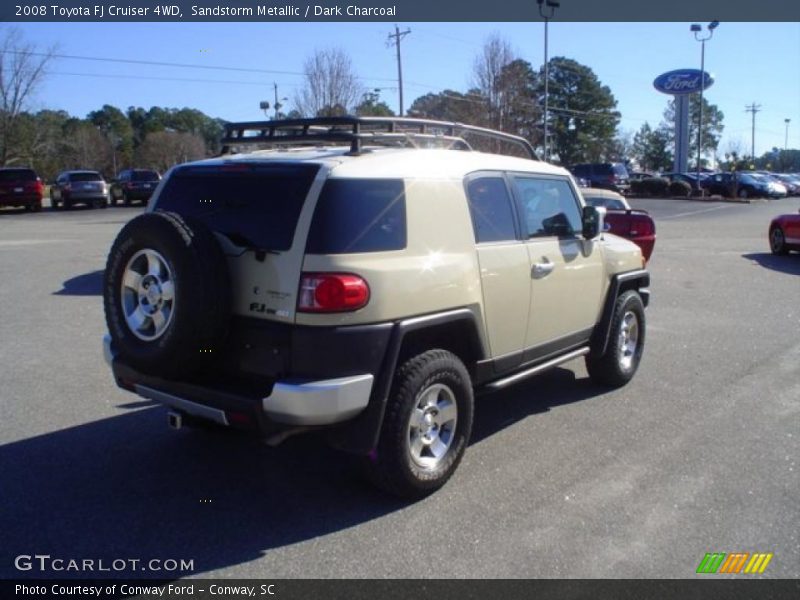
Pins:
x,y
395,11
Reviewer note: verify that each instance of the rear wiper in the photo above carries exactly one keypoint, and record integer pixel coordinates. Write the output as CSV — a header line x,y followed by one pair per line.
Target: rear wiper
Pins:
x,y
240,240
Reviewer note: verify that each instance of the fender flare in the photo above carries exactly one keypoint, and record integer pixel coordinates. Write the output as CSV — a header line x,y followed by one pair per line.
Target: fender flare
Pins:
x,y
360,435
637,280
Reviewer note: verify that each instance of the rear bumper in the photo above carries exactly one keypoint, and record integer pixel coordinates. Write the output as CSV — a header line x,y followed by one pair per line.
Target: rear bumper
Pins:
x,y
20,200
84,196
295,402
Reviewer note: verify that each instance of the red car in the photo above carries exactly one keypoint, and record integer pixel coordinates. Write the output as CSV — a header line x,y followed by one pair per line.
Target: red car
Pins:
x,y
784,234
20,186
634,225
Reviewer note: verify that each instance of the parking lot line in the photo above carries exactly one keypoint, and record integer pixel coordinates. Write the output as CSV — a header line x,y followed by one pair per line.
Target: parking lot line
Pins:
x,y
694,212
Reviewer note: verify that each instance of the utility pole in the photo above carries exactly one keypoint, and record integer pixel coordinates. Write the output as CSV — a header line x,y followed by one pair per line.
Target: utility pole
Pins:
x,y
753,108
395,38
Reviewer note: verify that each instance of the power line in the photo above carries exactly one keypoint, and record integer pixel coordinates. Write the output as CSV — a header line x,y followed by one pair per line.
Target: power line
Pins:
x,y
154,78
151,63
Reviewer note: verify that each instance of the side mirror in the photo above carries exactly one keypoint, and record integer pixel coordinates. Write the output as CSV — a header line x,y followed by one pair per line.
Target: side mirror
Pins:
x,y
593,221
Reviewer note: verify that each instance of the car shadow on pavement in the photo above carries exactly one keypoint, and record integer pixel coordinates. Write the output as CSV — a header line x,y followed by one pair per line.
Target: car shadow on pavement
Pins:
x,y
496,410
129,487
788,263
88,284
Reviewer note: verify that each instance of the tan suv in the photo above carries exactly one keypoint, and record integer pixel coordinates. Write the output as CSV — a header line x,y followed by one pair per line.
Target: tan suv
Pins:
x,y
366,275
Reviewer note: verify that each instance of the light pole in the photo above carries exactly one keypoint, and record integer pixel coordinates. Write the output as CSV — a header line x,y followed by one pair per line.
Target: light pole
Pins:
x,y
265,106
697,29
546,15
786,137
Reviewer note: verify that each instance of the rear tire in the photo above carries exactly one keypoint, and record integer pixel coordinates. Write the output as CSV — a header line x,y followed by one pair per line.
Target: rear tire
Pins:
x,y
426,427
619,363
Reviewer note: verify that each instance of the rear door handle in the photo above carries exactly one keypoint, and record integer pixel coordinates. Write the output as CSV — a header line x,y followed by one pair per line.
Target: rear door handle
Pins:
x,y
542,269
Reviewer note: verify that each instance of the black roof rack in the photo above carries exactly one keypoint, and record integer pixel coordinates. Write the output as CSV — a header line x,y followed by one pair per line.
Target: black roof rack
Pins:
x,y
357,130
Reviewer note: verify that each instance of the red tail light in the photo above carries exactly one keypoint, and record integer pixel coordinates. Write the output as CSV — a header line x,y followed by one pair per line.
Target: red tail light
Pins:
x,y
332,292
642,225
129,185
35,187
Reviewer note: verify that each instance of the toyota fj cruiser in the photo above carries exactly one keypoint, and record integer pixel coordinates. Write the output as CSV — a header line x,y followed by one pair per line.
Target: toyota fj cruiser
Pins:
x,y
366,275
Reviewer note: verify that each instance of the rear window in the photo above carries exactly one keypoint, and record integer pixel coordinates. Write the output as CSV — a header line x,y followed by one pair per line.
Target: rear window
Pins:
x,y
145,176
620,170
359,215
85,177
253,205
17,175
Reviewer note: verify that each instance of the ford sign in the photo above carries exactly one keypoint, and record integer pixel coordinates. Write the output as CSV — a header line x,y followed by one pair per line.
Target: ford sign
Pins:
x,y
683,81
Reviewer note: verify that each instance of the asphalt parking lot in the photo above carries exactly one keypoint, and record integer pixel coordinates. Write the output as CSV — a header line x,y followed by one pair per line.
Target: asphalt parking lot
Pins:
x,y
562,479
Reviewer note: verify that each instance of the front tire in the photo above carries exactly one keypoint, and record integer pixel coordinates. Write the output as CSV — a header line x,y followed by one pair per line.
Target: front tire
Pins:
x,y
619,363
777,241
426,427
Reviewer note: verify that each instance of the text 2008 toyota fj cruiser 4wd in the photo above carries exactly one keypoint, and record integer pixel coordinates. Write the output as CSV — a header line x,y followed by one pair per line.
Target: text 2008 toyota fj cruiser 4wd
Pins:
x,y
366,275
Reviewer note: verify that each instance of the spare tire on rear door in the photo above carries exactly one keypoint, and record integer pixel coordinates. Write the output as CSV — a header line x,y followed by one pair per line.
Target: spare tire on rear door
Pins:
x,y
166,294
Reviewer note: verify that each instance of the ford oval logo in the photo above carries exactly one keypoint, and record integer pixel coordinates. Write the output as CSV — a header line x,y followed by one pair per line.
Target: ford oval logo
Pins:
x,y
683,81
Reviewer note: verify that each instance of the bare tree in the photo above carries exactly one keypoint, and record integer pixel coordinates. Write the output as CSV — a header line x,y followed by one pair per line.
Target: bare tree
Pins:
x,y
331,86
163,149
85,147
487,77
22,69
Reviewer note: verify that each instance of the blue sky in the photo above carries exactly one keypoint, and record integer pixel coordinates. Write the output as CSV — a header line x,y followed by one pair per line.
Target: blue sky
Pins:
x,y
751,62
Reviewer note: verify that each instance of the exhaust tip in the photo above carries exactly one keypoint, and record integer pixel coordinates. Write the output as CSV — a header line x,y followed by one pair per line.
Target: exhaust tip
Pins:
x,y
175,420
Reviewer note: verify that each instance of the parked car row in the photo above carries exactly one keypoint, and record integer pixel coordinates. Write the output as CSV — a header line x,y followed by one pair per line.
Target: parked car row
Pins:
x,y
614,176
22,187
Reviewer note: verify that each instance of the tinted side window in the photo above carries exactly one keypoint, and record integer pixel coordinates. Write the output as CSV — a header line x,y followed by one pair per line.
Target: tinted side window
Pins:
x,y
359,215
549,207
143,175
581,170
603,169
491,210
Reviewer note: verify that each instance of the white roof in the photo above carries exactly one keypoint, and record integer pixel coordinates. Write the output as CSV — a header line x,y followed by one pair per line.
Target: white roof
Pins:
x,y
383,162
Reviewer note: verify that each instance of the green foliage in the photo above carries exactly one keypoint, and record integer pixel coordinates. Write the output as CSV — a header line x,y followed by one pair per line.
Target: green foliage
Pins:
x,y
712,126
373,106
651,187
583,115
109,140
449,105
652,149
680,189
